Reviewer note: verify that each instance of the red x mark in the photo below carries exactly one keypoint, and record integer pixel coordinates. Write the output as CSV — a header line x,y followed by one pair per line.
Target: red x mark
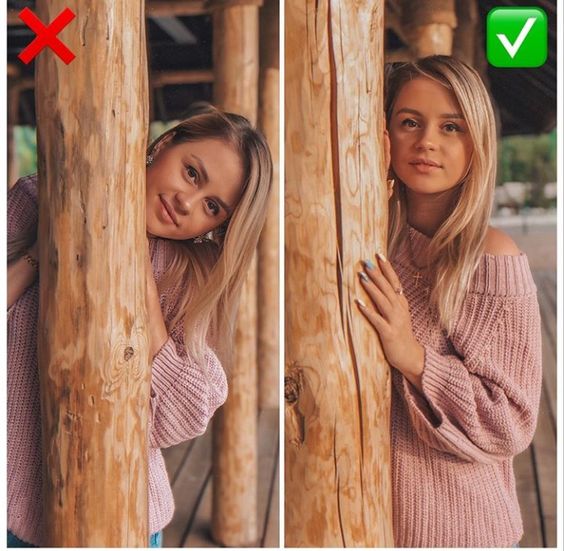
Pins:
x,y
46,36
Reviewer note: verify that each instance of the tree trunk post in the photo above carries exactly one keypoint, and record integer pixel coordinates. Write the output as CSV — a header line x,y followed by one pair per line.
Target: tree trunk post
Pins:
x,y
235,462
268,266
92,332
337,382
429,26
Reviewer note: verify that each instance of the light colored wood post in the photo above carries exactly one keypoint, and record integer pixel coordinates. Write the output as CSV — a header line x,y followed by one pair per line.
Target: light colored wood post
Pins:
x,y
234,515
93,342
337,383
464,43
268,265
428,26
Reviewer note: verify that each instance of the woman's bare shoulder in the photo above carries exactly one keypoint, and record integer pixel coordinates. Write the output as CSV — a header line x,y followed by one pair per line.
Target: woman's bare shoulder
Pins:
x,y
498,243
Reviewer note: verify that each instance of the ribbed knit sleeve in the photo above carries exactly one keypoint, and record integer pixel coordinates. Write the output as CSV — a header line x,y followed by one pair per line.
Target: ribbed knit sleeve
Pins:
x,y
480,401
22,205
184,394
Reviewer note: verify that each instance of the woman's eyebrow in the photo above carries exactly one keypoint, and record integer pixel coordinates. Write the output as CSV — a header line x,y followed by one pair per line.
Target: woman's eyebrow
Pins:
x,y
419,114
225,206
201,167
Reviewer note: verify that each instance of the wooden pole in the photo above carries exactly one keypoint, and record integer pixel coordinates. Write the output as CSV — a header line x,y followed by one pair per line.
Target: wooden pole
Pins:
x,y
268,266
464,42
13,106
93,343
428,26
234,515
337,383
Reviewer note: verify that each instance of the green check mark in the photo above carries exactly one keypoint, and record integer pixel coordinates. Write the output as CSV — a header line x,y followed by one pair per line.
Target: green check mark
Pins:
x,y
516,37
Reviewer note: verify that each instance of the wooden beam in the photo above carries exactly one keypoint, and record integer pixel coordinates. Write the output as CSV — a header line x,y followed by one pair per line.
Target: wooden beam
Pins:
x,y
234,520
268,264
158,79
337,382
93,341
153,8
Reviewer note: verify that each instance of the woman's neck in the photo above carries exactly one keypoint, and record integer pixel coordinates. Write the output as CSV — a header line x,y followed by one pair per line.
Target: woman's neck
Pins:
x,y
426,212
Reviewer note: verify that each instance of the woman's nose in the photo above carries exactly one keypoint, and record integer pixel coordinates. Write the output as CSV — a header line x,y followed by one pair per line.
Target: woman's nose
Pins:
x,y
185,202
426,140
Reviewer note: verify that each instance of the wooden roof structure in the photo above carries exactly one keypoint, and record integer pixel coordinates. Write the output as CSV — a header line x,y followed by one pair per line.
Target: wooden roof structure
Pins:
x,y
179,36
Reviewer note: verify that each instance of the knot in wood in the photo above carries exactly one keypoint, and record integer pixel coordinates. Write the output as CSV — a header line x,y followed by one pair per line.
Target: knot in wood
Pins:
x,y
128,353
291,389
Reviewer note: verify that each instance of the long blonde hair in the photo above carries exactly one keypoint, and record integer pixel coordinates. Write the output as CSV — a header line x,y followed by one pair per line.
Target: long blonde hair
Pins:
x,y
456,247
208,274
211,273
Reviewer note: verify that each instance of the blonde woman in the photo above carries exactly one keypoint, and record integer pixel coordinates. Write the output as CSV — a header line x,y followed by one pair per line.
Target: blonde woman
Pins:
x,y
208,181
456,311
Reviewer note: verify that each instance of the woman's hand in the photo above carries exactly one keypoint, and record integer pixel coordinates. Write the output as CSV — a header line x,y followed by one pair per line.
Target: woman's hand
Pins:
x,y
390,317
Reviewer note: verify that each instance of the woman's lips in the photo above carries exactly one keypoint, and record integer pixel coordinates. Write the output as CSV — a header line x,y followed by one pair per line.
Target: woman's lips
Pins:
x,y
424,166
167,212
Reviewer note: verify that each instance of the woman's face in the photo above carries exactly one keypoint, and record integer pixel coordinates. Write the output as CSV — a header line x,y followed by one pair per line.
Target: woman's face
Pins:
x,y
192,188
431,146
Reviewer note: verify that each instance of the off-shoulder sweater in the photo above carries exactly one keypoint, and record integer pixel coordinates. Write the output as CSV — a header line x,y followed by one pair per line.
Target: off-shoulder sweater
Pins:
x,y
184,394
453,443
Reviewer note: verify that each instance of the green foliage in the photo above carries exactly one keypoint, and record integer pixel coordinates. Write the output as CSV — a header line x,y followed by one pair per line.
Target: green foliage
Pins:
x,y
528,159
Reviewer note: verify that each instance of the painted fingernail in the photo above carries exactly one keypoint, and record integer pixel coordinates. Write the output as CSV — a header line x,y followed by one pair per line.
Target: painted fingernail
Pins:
x,y
358,301
369,265
363,276
381,257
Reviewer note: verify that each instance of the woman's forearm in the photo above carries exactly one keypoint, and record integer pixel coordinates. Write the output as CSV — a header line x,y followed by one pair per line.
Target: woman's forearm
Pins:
x,y
21,274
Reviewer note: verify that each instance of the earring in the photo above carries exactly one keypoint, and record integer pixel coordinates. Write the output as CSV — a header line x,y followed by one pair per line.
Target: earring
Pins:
x,y
199,239
149,160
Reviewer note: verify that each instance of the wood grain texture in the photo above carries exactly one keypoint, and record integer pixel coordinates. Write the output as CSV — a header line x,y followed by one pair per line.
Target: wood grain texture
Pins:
x,y
337,383
268,247
93,342
234,519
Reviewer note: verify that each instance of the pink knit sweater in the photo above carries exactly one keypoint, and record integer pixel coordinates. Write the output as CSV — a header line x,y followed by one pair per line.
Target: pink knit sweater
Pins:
x,y
184,395
453,444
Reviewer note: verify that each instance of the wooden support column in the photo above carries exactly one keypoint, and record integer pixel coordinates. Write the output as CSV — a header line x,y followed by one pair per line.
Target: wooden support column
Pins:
x,y
93,341
268,265
337,383
428,26
234,516
465,43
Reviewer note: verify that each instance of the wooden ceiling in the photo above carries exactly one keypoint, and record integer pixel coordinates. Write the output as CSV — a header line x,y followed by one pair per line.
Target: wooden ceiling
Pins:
x,y
179,37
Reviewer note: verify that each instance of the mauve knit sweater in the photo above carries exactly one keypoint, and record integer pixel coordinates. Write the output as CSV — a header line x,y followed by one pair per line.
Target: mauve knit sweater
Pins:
x,y
184,395
453,443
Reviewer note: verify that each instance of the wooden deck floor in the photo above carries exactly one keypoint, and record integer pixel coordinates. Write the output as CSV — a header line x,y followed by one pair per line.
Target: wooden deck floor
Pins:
x,y
189,469
535,468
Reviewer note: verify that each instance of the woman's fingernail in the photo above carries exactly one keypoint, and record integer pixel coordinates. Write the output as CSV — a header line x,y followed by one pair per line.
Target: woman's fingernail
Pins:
x,y
369,265
358,301
363,276
381,257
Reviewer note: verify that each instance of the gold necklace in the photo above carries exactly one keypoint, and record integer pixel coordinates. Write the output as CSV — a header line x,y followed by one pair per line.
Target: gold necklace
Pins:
x,y
418,276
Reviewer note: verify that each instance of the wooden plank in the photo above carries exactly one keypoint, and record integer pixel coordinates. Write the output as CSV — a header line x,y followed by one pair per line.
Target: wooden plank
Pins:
x,y
174,458
272,530
527,494
548,317
268,428
544,449
188,488
200,530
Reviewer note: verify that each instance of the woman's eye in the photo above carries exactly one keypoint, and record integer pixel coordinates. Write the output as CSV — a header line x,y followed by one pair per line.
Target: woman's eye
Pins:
x,y
451,127
192,172
213,207
409,123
